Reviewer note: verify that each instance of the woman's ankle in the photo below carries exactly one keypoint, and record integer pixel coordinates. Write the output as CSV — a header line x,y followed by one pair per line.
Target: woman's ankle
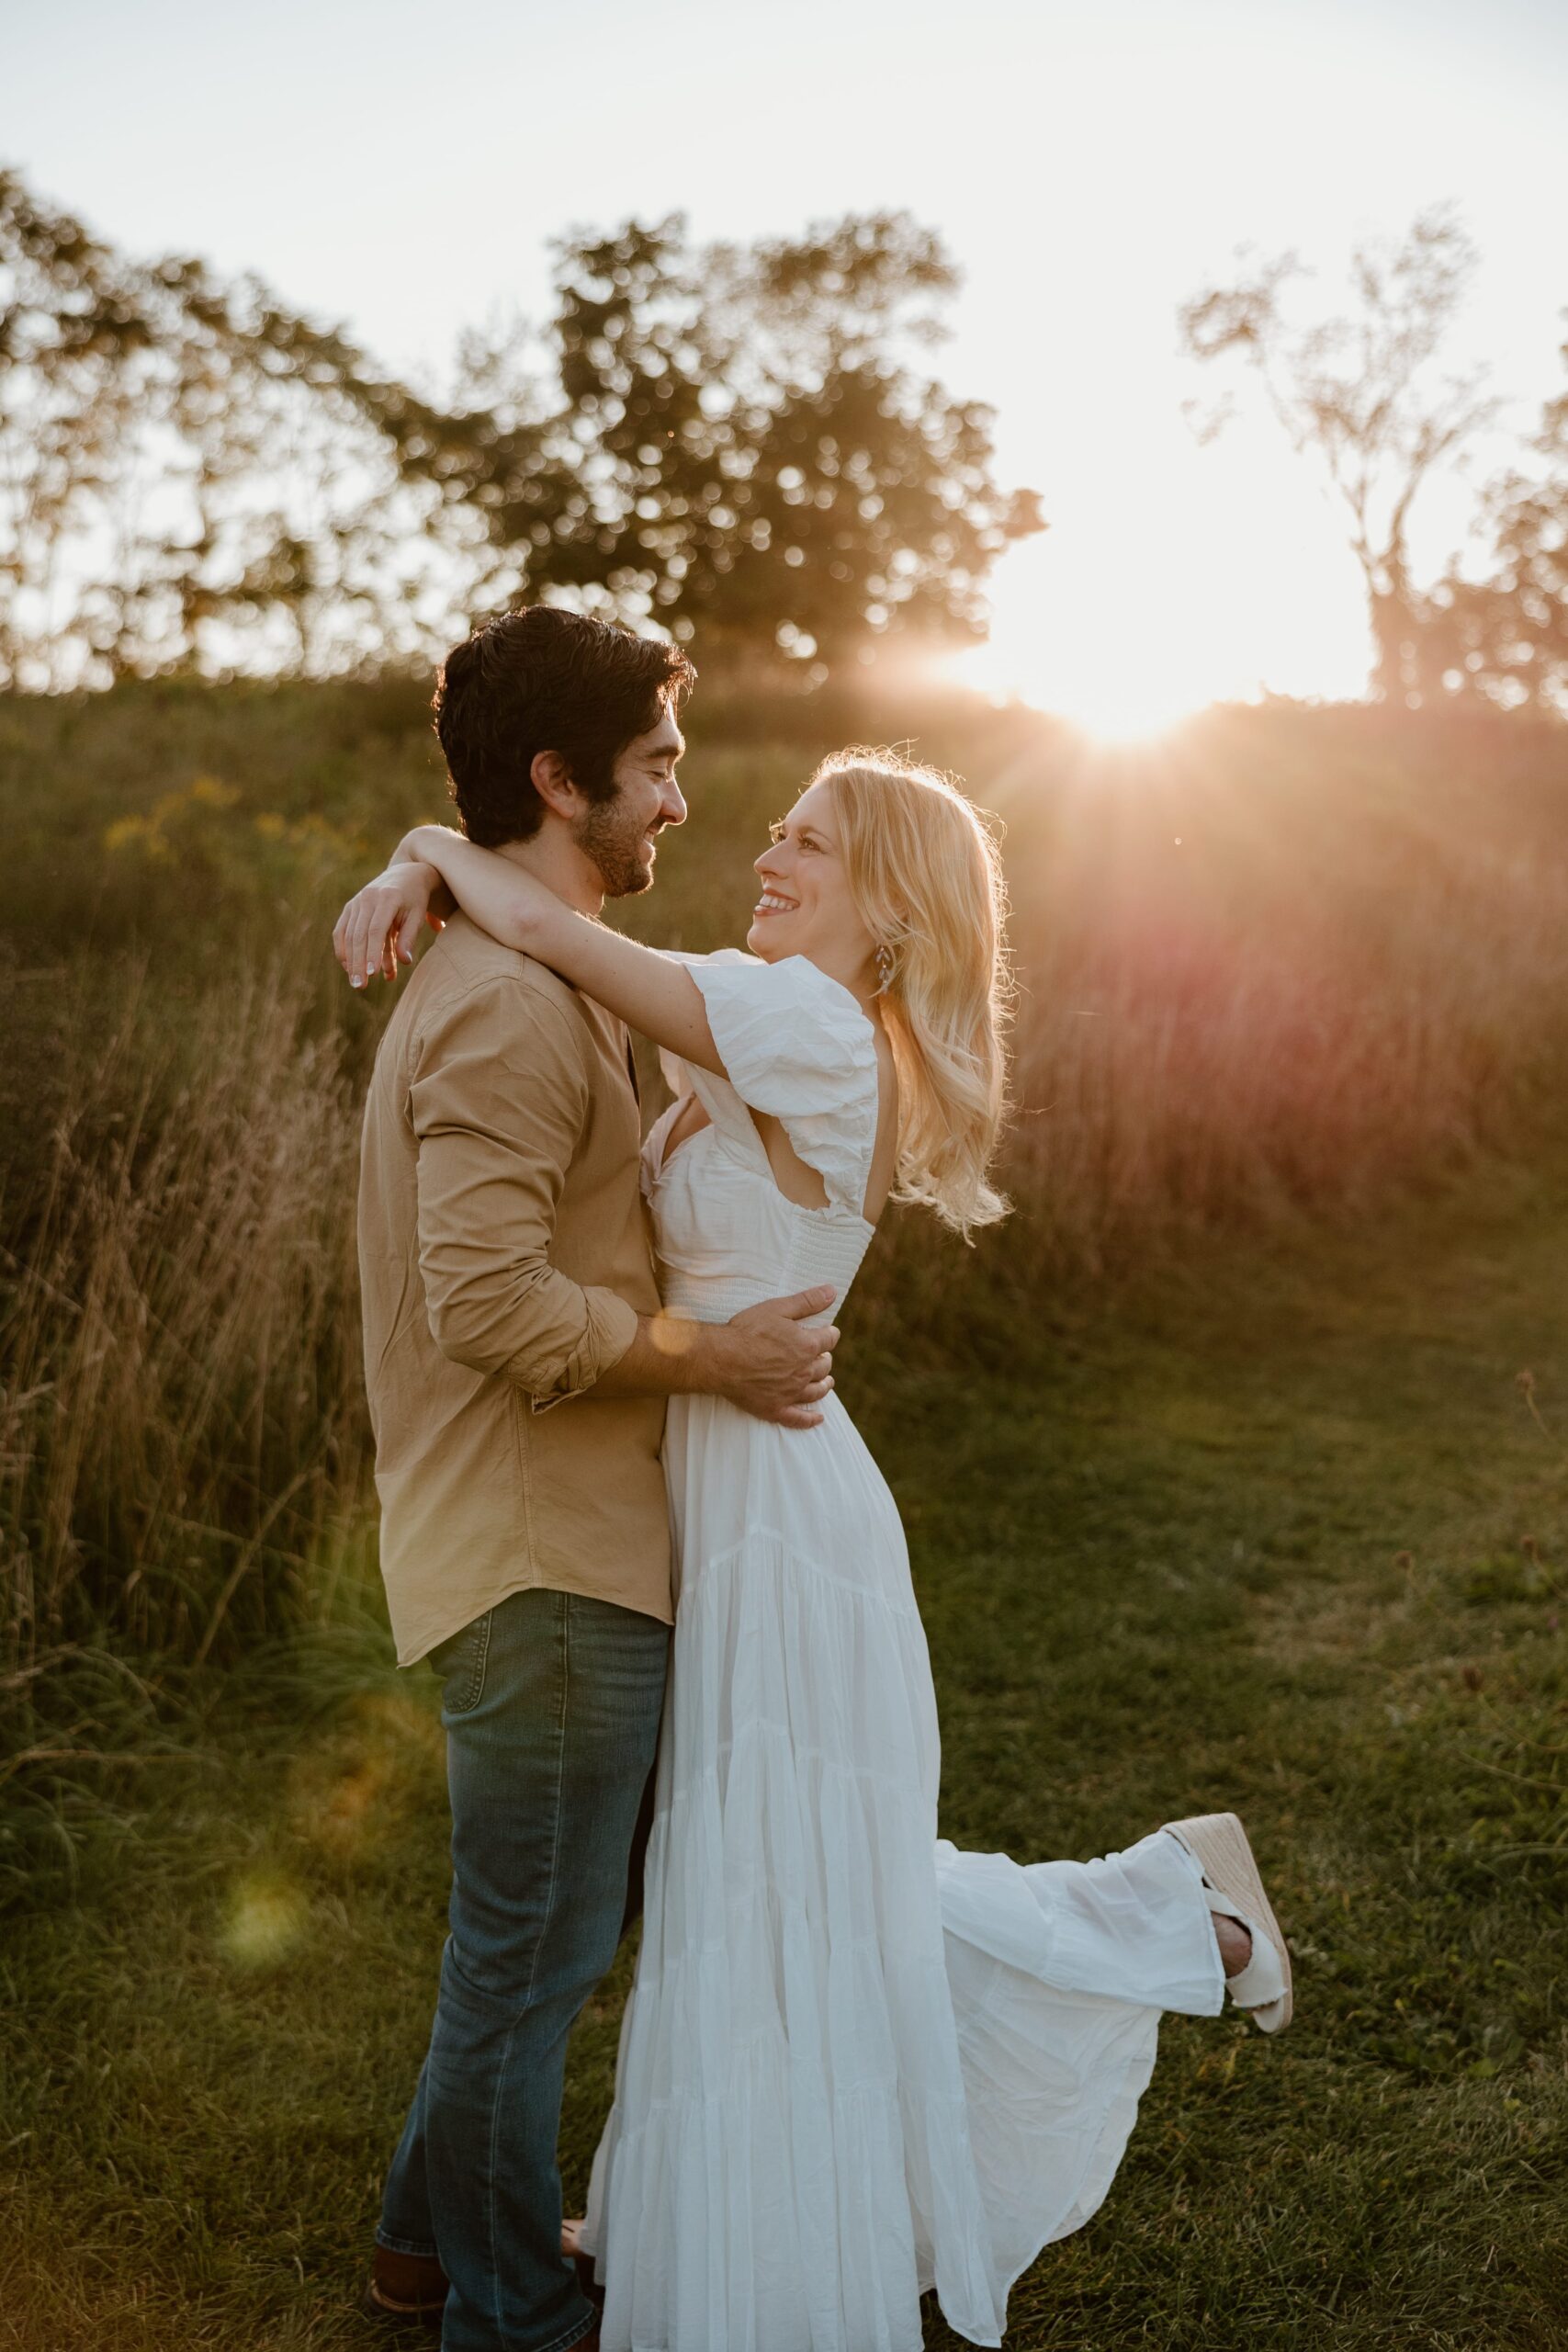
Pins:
x,y
1235,1942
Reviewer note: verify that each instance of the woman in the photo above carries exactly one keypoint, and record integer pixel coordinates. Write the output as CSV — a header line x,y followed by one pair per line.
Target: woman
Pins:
x,y
856,2064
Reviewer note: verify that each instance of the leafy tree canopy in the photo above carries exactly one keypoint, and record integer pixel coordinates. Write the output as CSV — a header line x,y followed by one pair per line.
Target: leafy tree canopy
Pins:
x,y
740,440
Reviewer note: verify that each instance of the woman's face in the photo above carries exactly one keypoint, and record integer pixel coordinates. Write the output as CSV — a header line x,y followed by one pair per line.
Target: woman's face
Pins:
x,y
806,907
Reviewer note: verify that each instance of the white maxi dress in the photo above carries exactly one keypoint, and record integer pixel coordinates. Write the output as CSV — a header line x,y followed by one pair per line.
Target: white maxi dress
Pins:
x,y
856,2064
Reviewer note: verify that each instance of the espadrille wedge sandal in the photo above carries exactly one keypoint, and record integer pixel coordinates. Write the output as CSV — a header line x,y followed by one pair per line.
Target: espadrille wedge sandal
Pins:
x,y
1218,1844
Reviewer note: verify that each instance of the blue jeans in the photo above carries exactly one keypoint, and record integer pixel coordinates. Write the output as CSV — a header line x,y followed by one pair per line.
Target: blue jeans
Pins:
x,y
551,1704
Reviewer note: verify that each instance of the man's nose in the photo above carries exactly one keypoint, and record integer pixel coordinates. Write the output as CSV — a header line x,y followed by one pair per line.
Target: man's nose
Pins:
x,y
672,807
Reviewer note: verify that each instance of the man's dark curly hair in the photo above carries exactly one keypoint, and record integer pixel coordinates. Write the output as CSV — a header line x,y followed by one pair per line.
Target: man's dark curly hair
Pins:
x,y
543,680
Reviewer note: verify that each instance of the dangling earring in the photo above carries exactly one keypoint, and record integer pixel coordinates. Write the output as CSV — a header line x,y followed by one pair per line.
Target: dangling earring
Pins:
x,y
883,969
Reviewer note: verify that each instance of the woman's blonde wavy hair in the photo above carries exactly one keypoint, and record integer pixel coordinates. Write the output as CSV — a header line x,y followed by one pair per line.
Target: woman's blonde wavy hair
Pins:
x,y
927,880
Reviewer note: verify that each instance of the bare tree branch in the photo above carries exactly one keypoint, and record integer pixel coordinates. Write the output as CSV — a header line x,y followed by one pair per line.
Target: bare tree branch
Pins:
x,y
1363,393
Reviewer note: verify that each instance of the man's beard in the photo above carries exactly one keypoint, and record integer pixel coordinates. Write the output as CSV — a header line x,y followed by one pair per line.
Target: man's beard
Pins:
x,y
606,834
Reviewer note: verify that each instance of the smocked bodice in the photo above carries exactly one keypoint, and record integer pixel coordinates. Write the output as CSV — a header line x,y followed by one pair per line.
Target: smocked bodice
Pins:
x,y
726,1238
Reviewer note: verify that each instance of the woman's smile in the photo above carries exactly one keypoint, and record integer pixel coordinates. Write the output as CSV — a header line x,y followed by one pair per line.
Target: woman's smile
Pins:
x,y
805,888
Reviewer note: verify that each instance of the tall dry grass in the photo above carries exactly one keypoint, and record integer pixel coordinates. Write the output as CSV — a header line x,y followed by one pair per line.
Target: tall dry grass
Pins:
x,y
1276,971
181,1421
1307,1076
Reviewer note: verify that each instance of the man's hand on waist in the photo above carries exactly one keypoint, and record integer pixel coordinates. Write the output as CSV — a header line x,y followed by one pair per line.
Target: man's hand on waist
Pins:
x,y
771,1360
774,1361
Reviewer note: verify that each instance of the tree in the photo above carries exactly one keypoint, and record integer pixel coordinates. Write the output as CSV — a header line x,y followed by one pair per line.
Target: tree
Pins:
x,y
75,348
1366,394
735,439
1505,638
190,474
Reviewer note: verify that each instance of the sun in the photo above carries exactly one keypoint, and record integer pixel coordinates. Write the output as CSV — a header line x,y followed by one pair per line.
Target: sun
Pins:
x,y
1100,699
1124,659
1135,612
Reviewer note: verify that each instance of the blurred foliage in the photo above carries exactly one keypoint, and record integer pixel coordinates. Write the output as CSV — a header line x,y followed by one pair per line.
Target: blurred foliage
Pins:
x,y
193,476
1505,638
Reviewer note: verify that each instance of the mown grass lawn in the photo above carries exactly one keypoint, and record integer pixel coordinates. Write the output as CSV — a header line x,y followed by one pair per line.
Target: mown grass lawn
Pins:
x,y
1282,1531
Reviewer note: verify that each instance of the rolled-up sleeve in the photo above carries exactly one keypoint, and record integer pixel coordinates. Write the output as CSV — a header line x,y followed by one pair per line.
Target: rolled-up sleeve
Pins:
x,y
495,1137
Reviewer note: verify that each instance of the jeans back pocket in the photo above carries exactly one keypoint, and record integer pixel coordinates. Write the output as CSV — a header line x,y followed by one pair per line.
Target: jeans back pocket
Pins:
x,y
460,1663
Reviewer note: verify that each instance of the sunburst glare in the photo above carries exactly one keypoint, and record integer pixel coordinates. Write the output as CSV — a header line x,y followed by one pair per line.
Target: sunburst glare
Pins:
x,y
1148,601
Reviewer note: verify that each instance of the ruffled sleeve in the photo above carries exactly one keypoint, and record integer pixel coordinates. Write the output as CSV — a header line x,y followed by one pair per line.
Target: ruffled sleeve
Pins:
x,y
797,1046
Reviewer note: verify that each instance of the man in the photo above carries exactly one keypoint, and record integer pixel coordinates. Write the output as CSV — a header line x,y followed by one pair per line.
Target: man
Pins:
x,y
517,1364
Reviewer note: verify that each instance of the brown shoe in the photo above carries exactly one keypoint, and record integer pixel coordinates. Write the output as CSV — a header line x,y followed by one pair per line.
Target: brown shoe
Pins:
x,y
583,2266
406,2290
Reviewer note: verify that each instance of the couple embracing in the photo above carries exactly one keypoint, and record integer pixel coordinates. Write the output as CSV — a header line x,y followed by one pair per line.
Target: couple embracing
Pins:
x,y
666,1589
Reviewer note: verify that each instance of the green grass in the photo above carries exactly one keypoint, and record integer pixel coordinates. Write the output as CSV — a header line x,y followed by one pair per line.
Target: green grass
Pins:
x,y
1278,1531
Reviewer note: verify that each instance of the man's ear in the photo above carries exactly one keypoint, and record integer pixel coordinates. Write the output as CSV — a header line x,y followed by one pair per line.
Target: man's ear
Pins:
x,y
552,779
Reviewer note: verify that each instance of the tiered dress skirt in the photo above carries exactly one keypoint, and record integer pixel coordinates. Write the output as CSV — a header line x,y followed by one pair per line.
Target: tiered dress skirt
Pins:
x,y
856,2064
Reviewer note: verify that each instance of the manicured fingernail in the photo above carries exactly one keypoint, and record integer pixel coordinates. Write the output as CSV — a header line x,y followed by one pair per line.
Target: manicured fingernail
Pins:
x,y
355,981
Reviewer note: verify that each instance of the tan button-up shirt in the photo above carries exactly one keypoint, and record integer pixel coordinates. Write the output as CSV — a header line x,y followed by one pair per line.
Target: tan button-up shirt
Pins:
x,y
505,1260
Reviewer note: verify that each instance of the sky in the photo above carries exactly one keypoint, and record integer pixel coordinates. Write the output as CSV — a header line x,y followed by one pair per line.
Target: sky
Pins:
x,y
402,167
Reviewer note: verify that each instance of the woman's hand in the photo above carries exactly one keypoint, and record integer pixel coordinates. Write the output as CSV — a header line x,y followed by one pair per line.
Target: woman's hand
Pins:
x,y
376,928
